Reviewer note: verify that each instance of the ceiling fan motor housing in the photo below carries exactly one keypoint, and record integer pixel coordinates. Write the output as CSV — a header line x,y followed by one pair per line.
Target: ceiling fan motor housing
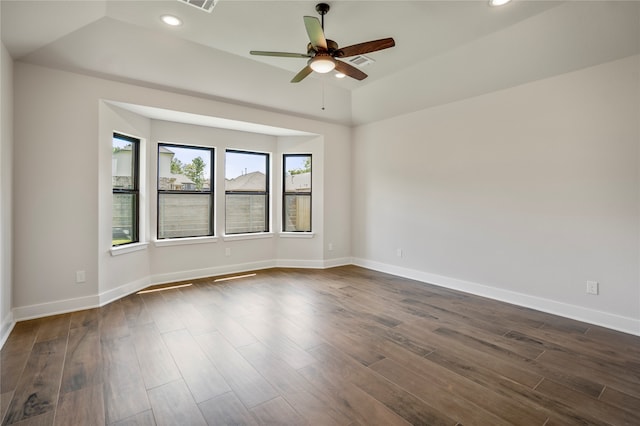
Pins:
x,y
322,8
325,55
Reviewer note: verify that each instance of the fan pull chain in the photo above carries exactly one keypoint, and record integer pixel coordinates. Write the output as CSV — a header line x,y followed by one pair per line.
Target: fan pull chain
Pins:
x,y
323,95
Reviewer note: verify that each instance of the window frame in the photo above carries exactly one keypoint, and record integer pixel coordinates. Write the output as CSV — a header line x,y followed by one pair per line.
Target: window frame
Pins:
x,y
285,193
266,193
135,159
210,193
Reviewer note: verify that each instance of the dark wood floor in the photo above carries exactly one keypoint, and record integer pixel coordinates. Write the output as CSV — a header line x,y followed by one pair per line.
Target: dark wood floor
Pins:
x,y
344,346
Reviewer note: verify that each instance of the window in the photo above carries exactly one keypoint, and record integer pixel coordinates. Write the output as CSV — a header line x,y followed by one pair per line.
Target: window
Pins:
x,y
125,172
296,193
185,191
247,192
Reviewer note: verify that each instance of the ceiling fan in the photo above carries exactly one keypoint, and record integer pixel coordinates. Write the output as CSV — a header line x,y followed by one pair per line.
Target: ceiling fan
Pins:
x,y
324,54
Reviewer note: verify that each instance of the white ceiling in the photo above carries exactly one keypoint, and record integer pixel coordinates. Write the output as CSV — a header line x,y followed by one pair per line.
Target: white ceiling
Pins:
x,y
445,50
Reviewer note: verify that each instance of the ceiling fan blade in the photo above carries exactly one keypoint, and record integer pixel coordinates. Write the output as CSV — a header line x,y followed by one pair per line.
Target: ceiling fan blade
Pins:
x,y
366,47
280,54
302,74
350,70
315,32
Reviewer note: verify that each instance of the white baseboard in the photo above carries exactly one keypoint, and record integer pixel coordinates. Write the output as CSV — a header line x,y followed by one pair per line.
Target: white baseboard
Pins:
x,y
114,294
605,319
6,327
579,313
39,310
210,272
23,313
313,264
339,261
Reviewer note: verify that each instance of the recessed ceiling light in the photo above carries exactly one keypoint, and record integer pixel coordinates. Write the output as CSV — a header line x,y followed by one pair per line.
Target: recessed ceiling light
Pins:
x,y
171,20
340,75
498,2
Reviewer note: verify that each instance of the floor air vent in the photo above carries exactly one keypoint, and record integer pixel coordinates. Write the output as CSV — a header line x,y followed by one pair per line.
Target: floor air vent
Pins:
x,y
206,5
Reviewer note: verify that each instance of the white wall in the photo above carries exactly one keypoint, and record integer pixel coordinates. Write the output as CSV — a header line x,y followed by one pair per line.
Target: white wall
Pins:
x,y
6,171
62,191
522,194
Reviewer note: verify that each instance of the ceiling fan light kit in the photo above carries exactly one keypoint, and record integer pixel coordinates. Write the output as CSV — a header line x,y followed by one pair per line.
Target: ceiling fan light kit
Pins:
x,y
322,63
324,54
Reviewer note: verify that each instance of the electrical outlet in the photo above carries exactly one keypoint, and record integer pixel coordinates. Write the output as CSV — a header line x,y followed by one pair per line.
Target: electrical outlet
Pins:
x,y
330,246
227,251
592,287
81,277
399,252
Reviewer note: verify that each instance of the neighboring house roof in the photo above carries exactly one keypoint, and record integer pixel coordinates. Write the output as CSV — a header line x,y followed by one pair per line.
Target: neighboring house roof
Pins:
x,y
254,181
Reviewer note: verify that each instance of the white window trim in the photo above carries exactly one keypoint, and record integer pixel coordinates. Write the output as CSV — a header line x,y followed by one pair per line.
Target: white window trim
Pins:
x,y
128,248
165,242
249,236
285,234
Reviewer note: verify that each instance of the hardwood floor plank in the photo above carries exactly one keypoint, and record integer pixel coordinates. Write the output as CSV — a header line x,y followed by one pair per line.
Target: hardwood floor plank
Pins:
x,y
518,394
163,316
246,382
113,323
343,346
45,419
277,412
124,391
54,327
145,418
173,404
287,350
620,399
590,406
156,363
37,390
580,344
313,404
83,361
5,400
498,344
81,407
226,409
463,410
522,374
448,372
519,369
87,318
135,311
201,376
394,397
188,312
22,337
233,331
12,365
609,373
350,399
626,343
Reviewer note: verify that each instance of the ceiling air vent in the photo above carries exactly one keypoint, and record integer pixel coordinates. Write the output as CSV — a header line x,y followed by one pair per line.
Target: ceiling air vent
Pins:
x,y
360,61
206,5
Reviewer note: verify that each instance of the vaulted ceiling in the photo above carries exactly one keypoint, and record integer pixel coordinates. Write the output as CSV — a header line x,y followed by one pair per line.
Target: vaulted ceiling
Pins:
x,y
445,50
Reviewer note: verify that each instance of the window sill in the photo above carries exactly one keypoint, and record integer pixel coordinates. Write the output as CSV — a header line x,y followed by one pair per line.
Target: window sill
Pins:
x,y
184,241
253,236
129,248
296,235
